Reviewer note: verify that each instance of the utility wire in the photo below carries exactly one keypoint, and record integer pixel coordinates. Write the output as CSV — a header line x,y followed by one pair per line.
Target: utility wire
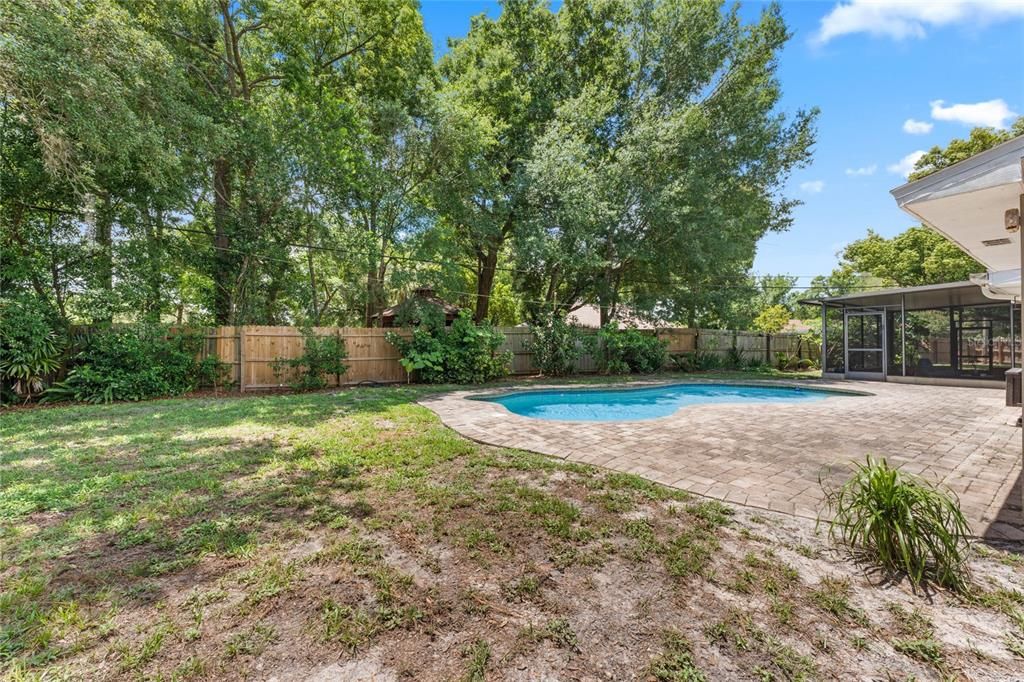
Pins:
x,y
411,259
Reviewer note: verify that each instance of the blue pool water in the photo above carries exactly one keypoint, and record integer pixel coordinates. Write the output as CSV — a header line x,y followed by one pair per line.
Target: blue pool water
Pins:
x,y
607,405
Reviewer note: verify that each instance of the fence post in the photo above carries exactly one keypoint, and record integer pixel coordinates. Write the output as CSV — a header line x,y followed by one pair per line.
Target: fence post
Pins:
x,y
241,359
341,344
768,348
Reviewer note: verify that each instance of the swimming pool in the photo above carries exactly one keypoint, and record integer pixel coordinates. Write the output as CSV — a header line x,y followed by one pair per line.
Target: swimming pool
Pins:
x,y
632,404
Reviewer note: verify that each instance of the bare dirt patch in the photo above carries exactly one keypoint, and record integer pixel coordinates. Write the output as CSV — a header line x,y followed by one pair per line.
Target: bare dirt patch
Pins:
x,y
513,567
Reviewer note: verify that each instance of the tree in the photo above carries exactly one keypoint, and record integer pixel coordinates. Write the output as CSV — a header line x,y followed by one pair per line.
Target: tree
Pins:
x,y
287,161
367,153
957,150
256,67
759,295
95,113
502,75
915,257
772,319
660,175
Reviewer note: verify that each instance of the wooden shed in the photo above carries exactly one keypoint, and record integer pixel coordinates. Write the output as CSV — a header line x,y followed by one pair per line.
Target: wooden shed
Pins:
x,y
419,296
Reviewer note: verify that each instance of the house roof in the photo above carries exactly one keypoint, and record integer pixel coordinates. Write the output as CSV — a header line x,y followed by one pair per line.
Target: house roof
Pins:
x,y
425,294
915,298
966,202
589,316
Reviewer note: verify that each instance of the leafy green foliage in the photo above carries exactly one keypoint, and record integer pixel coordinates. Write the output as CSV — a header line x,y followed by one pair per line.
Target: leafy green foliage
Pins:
x,y
30,348
556,346
792,362
980,139
772,319
172,129
734,358
635,144
624,350
465,353
902,523
321,357
136,363
914,257
423,354
696,361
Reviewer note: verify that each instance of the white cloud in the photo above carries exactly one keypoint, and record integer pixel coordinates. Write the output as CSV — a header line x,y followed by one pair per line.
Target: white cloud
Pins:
x,y
905,165
865,170
917,127
812,186
993,113
901,19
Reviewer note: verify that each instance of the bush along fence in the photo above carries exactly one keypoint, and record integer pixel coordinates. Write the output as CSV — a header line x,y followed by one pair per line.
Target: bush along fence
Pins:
x,y
254,354
136,362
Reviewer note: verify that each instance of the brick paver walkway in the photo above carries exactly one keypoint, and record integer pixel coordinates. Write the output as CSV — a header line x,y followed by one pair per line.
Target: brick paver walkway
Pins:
x,y
770,455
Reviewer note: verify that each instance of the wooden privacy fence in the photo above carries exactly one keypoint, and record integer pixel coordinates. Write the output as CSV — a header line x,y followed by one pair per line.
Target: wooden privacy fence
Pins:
x,y
251,351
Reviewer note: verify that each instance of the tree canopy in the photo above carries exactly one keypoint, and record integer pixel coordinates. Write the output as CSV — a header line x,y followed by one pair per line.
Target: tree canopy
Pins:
x,y
297,162
957,150
915,257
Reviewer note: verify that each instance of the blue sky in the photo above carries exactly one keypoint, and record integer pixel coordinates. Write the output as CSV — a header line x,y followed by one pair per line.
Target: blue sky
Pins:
x,y
891,78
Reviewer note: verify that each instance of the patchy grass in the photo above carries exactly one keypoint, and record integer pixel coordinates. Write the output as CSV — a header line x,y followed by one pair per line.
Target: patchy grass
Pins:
x,y
351,534
675,663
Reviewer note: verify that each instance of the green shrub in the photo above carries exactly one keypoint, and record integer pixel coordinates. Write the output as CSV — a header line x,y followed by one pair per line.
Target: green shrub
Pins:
x,y
902,523
620,351
321,357
734,359
556,346
465,353
422,354
791,362
145,361
695,361
31,349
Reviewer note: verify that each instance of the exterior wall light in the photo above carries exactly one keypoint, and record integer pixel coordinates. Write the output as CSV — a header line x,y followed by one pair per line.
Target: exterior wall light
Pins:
x,y
1011,220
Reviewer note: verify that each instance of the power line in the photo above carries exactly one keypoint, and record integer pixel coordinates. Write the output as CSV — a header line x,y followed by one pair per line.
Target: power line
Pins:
x,y
411,259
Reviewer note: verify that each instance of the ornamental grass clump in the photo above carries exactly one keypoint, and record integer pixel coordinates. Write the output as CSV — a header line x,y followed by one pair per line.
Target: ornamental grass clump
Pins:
x,y
903,523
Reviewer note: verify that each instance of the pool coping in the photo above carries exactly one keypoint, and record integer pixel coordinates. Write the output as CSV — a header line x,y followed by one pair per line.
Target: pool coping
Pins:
x,y
730,455
492,398
489,395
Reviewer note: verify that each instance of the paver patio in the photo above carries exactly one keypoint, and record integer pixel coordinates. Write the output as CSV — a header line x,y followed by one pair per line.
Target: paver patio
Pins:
x,y
771,455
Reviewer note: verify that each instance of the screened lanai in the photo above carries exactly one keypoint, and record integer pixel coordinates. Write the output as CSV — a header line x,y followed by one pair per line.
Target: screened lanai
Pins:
x,y
945,333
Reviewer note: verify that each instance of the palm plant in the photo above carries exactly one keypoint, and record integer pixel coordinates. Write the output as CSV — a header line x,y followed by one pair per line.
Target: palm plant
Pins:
x,y
902,523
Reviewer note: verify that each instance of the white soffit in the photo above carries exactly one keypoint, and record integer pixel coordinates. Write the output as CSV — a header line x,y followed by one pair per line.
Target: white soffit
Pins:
x,y
966,203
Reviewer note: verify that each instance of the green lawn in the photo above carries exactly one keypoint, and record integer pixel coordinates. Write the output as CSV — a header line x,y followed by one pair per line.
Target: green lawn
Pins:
x,y
351,533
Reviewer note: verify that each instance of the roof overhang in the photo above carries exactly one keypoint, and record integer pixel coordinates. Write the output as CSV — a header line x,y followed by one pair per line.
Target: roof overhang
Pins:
x,y
912,298
967,201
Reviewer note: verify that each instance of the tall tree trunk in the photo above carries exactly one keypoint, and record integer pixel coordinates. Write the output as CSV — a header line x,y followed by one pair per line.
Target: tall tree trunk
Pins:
x,y
372,297
485,282
223,277
105,247
154,227
375,295
314,304
606,297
